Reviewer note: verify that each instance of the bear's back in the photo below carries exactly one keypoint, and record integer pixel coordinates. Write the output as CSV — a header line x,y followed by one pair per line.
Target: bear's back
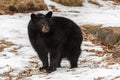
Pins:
x,y
63,22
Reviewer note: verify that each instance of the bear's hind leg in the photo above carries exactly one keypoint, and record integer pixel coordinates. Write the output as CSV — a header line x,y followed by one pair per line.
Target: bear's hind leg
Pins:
x,y
59,62
74,58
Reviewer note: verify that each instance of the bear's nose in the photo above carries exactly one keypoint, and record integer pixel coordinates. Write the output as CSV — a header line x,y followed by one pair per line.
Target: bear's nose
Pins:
x,y
45,28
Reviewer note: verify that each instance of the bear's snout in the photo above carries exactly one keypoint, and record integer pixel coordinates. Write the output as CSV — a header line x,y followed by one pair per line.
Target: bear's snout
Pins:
x,y
45,28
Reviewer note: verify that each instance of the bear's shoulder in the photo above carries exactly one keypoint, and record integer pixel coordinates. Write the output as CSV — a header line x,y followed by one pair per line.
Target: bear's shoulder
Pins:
x,y
60,18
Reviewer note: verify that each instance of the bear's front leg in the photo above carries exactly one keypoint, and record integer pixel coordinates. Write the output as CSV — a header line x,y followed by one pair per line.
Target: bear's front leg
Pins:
x,y
43,55
54,60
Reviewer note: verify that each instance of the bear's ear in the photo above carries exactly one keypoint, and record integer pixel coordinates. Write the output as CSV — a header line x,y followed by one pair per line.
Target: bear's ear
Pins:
x,y
33,17
49,14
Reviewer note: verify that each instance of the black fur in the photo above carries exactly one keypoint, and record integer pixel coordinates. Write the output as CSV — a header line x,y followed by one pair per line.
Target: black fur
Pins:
x,y
62,39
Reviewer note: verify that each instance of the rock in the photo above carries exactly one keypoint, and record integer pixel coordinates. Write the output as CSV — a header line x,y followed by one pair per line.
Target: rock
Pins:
x,y
93,29
108,35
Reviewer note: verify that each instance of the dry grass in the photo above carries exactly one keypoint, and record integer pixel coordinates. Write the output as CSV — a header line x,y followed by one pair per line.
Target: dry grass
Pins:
x,y
90,26
75,2
5,44
116,2
94,2
99,78
9,6
70,2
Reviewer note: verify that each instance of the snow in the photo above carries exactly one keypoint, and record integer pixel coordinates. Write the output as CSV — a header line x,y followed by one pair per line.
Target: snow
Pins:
x,y
108,15
14,28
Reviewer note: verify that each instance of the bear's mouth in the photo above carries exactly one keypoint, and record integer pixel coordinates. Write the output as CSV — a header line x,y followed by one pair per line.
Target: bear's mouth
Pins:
x,y
45,28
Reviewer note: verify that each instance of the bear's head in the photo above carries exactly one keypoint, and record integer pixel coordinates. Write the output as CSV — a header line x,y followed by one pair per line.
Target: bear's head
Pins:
x,y
41,21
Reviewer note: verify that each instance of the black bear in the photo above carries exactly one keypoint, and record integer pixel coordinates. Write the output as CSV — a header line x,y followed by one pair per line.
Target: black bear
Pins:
x,y
58,36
